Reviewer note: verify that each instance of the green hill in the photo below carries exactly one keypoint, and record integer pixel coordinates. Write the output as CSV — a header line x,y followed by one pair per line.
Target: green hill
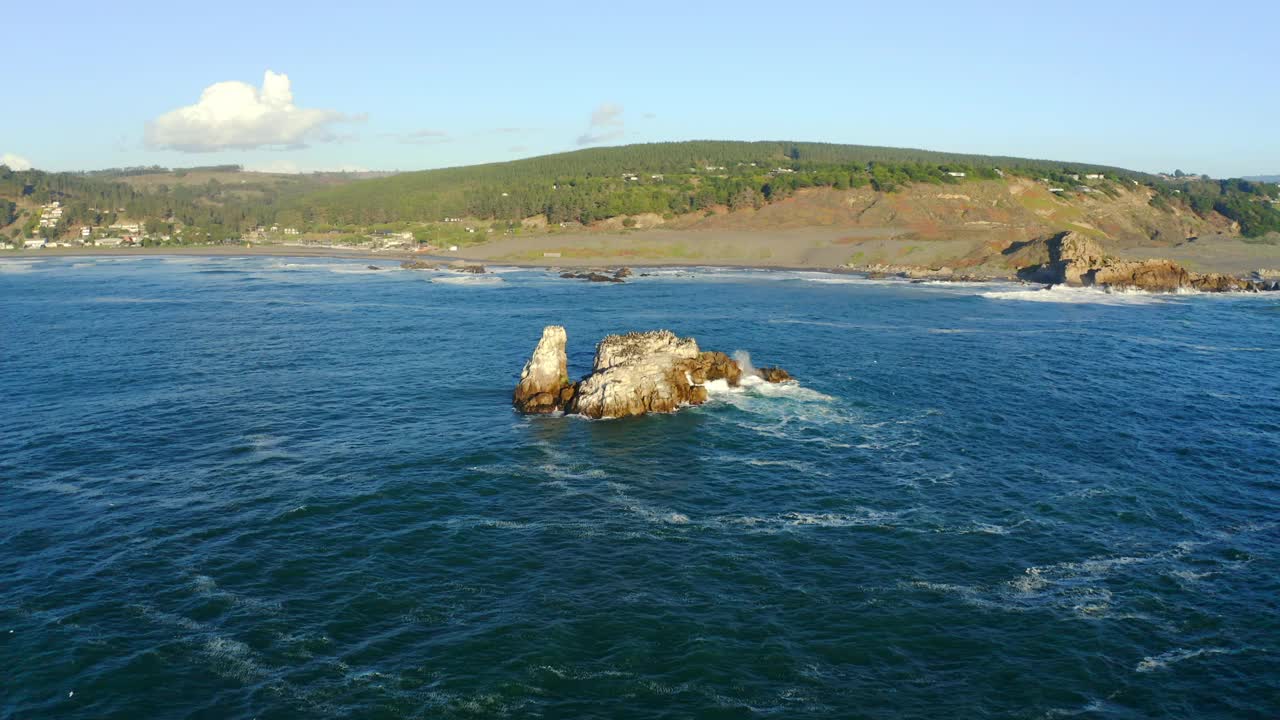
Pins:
x,y
675,177
678,178
617,184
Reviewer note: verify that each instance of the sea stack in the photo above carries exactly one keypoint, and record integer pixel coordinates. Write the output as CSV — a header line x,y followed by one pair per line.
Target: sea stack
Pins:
x,y
633,374
544,383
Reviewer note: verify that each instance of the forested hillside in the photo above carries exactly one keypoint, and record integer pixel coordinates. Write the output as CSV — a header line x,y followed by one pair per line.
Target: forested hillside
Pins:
x,y
678,178
585,186
212,203
598,183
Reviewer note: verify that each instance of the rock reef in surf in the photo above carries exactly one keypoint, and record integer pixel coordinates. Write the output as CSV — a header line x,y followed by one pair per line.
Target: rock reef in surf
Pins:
x,y
633,374
454,266
601,276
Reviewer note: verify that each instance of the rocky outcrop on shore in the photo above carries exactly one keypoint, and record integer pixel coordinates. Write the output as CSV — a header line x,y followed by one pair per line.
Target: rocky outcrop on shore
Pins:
x,y
1070,258
418,265
913,272
633,374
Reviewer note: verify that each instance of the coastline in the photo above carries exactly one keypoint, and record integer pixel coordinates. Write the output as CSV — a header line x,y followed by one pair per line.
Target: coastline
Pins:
x,y
400,256
828,249
217,251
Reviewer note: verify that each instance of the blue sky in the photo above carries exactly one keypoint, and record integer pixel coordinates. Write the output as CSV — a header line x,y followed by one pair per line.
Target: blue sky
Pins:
x,y
389,85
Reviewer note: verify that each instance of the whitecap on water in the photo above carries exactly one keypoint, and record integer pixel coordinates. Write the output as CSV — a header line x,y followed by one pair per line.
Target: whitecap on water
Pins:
x,y
1164,660
751,385
795,520
343,268
19,266
1081,296
478,281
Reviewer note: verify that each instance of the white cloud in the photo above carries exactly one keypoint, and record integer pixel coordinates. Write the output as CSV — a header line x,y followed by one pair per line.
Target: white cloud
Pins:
x,y
237,115
606,115
15,162
606,124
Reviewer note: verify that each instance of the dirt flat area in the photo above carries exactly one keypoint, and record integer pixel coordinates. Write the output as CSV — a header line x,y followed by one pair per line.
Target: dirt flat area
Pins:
x,y
817,248
809,247
1211,254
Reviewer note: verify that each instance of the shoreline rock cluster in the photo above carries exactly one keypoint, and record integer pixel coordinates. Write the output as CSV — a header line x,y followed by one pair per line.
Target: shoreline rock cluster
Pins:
x,y
455,267
633,374
604,276
913,272
1073,259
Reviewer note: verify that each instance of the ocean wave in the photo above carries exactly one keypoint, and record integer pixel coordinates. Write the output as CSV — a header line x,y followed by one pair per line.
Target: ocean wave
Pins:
x,y
1081,296
477,281
1165,659
19,266
860,517
754,386
206,586
801,467
841,280
343,268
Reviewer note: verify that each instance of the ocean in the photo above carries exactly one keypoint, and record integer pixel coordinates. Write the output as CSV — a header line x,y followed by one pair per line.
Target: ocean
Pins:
x,y
282,488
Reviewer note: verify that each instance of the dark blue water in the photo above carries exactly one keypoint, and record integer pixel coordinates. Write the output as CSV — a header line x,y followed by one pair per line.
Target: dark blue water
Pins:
x,y
256,488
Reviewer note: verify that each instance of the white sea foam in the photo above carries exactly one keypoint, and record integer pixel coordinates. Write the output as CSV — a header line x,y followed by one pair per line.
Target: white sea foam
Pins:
x,y
477,281
1164,660
18,266
754,386
861,517
839,280
232,659
208,587
1081,296
342,268
803,468
743,358
169,619
1089,708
